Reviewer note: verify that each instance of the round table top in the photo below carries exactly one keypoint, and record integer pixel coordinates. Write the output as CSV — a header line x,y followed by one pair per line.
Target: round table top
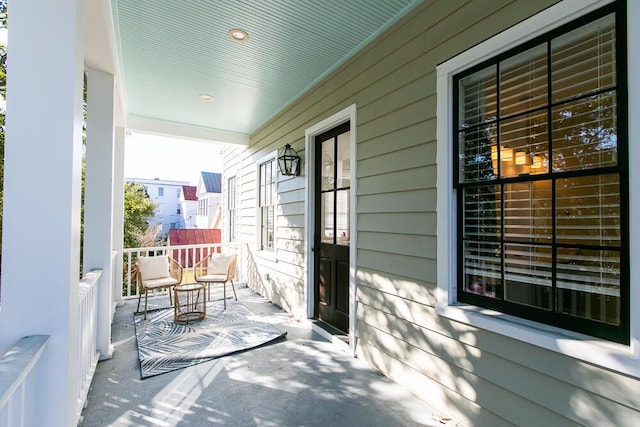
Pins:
x,y
189,287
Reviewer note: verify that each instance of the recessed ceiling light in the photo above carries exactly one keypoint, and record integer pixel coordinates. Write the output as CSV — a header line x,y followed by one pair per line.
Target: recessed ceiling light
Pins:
x,y
238,35
205,97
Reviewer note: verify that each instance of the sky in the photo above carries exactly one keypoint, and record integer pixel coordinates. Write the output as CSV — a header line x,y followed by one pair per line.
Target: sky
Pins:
x,y
153,156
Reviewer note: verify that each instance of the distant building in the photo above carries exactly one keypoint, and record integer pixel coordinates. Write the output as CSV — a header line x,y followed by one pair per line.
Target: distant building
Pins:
x,y
208,191
189,205
166,196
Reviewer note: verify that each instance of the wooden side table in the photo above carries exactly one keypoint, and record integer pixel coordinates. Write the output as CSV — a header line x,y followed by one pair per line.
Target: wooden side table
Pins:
x,y
189,303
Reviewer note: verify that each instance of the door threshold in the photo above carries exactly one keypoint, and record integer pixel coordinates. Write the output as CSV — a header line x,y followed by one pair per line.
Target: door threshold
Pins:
x,y
330,333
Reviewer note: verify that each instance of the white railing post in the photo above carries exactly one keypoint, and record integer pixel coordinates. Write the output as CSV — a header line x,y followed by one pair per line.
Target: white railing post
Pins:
x,y
116,279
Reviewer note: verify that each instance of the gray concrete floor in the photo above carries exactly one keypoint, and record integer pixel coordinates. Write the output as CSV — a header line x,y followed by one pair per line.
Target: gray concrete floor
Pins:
x,y
303,380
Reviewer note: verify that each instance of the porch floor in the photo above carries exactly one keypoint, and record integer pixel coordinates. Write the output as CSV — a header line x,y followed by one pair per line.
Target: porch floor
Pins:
x,y
303,380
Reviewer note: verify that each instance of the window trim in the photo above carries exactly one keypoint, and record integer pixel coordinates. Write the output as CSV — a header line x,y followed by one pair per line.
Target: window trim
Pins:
x,y
232,213
552,178
618,357
266,253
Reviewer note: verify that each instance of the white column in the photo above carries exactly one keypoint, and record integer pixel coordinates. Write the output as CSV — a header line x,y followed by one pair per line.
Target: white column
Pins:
x,y
118,212
42,175
98,197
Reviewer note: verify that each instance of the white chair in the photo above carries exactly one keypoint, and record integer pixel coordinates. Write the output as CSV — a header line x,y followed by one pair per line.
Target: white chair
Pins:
x,y
217,268
156,272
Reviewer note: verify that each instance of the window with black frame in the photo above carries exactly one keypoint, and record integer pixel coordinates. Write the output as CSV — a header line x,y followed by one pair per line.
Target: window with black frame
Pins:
x,y
542,181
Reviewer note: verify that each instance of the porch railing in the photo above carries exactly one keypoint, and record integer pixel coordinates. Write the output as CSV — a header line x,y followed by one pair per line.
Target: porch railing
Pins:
x,y
18,385
87,334
185,255
19,367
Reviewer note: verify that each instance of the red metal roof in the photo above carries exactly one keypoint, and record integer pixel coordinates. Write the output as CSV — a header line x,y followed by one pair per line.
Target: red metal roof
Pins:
x,y
192,236
190,192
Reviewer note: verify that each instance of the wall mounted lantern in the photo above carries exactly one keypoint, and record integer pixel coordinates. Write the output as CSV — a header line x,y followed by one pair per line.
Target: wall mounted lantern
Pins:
x,y
288,161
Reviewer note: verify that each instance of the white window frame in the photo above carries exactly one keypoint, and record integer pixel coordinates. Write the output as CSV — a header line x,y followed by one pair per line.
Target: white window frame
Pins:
x,y
268,254
232,214
618,357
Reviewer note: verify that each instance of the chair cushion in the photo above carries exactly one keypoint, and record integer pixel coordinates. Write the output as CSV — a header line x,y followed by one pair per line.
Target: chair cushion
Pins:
x,y
212,278
160,283
219,264
154,267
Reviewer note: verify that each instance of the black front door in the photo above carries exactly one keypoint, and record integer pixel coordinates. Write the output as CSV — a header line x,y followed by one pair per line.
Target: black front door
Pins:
x,y
332,225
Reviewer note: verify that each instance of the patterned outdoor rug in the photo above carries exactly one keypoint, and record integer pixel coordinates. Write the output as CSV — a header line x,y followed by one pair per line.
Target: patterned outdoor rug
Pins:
x,y
165,346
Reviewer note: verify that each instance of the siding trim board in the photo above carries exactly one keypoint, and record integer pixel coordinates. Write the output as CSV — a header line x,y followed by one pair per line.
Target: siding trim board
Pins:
x,y
617,357
346,115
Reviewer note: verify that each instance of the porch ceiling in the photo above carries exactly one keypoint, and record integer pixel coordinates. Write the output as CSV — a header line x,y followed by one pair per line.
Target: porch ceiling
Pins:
x,y
171,51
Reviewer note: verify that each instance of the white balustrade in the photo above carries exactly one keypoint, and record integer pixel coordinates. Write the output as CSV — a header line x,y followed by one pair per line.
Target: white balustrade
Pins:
x,y
18,383
87,334
19,366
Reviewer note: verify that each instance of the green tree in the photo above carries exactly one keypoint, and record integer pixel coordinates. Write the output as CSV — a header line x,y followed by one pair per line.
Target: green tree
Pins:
x,y
137,208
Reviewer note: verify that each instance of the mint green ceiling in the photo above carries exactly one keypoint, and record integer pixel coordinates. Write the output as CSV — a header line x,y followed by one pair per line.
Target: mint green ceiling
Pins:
x,y
173,50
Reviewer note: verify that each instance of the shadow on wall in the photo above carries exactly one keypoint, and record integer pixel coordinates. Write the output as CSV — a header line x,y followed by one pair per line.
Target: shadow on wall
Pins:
x,y
286,294
476,371
253,279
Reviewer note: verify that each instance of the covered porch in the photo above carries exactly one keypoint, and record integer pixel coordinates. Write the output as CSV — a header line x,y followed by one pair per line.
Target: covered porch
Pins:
x,y
381,77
